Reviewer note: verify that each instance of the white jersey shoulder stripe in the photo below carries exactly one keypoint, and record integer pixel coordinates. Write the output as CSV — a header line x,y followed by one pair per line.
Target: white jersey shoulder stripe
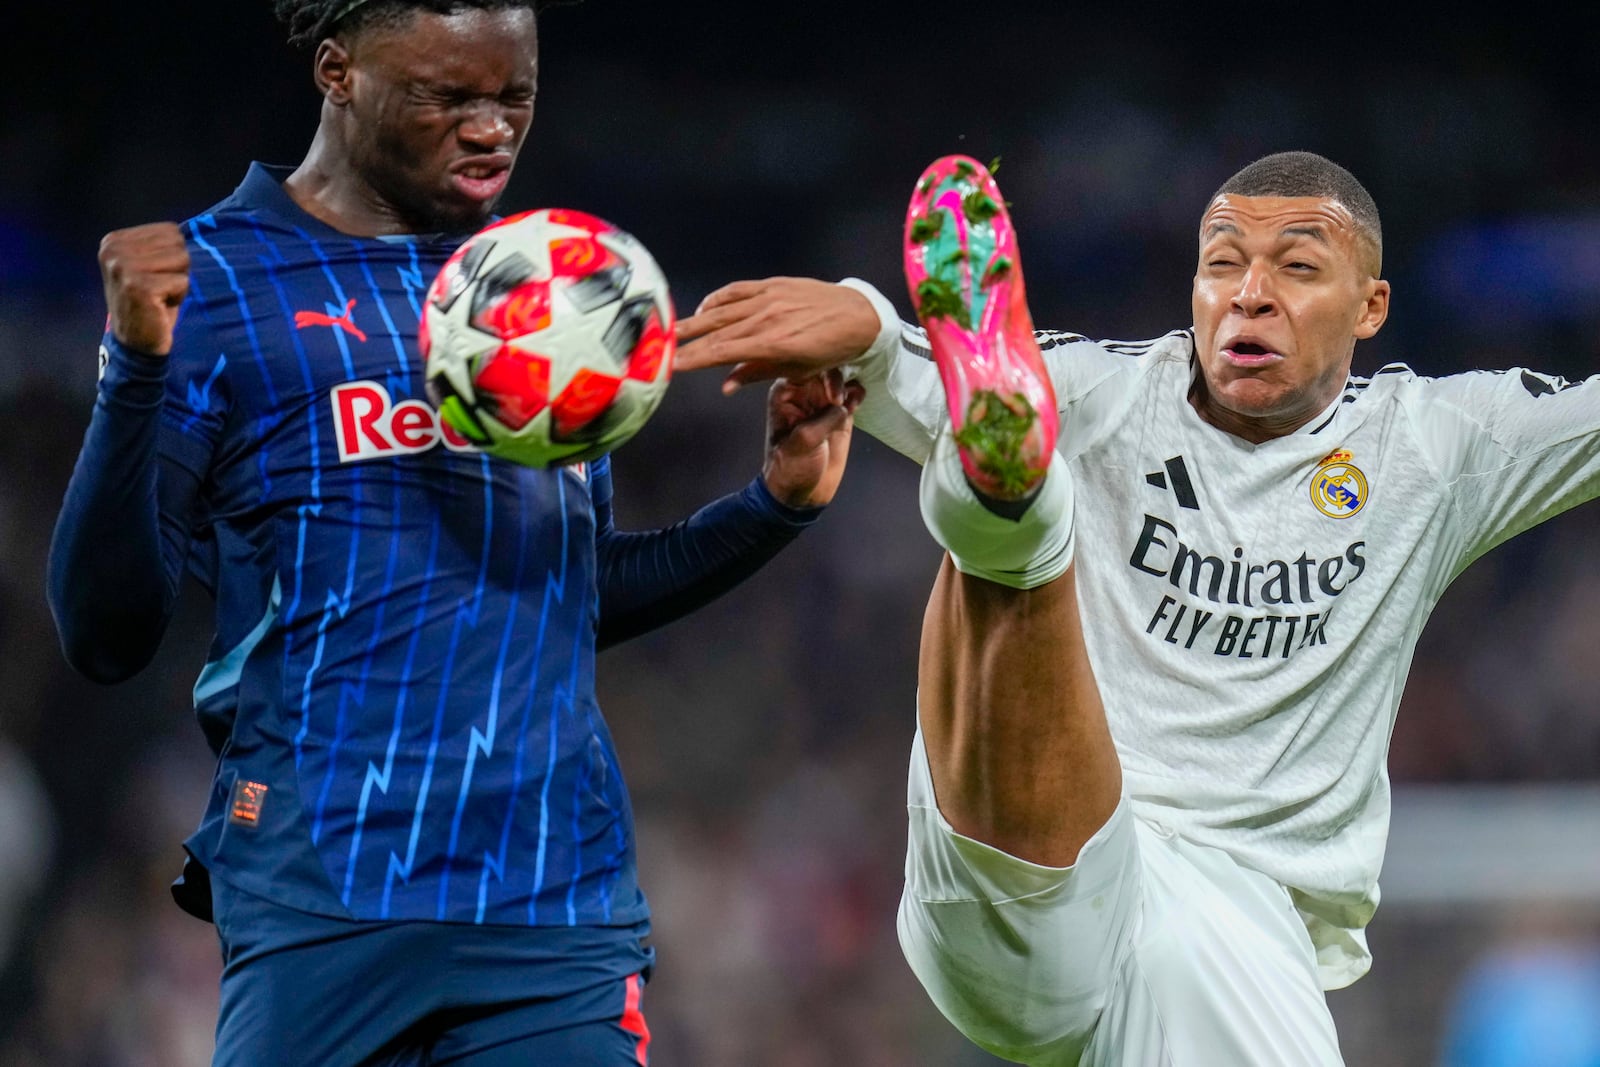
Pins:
x,y
914,341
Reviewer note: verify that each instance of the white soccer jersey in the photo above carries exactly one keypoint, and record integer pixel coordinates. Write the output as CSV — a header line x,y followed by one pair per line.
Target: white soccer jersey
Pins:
x,y
1251,610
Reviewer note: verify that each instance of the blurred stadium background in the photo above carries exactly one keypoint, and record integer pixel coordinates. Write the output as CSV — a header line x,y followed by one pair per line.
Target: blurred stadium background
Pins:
x,y
765,739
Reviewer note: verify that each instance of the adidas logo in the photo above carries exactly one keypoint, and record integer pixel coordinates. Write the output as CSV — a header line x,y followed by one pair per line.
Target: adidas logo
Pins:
x,y
1176,476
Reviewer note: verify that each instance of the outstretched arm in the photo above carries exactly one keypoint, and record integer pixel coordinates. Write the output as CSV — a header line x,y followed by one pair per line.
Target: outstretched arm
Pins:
x,y
792,326
1514,448
649,578
778,328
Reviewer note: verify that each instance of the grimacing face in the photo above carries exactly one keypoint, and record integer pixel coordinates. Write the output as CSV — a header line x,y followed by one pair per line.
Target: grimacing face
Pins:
x,y
1284,288
439,110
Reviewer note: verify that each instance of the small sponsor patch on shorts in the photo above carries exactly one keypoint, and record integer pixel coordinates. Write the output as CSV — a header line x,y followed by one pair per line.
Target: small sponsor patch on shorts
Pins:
x,y
245,807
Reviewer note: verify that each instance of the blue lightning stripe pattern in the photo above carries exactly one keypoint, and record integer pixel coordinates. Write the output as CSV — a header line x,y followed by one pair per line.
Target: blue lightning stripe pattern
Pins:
x,y
555,589
379,779
353,695
200,401
405,632
481,743
334,602
403,868
465,620
198,286
412,280
400,377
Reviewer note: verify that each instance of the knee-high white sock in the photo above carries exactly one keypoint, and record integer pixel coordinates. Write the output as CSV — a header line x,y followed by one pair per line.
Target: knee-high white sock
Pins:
x,y
1022,553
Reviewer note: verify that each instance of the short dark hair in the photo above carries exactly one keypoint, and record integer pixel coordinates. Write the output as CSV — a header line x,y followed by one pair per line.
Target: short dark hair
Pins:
x,y
1308,174
310,21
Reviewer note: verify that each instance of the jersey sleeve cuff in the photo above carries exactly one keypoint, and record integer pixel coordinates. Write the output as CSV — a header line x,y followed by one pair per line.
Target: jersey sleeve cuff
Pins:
x,y
131,377
888,338
761,503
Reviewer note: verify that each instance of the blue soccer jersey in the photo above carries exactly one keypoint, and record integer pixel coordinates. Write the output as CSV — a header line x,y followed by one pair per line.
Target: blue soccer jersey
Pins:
x,y
401,687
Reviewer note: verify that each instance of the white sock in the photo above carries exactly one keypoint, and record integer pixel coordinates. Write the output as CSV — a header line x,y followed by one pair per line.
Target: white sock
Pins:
x,y
1022,553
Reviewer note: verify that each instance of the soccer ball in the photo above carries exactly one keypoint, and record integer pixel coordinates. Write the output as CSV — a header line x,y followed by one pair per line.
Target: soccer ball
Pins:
x,y
548,338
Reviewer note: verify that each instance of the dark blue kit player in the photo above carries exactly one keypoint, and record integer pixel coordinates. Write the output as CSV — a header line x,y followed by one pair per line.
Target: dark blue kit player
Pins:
x,y
418,848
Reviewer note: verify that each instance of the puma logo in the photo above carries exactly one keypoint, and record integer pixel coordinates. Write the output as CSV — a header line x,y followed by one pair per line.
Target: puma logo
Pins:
x,y
302,319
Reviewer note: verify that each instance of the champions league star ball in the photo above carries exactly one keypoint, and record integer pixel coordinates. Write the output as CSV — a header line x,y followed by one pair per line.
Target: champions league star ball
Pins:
x,y
548,338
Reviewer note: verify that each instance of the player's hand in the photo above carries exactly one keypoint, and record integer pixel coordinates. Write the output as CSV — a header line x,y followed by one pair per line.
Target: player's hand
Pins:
x,y
145,270
808,437
776,328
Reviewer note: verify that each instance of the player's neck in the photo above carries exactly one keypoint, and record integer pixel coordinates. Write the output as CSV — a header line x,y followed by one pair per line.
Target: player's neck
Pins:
x,y
329,189
1254,429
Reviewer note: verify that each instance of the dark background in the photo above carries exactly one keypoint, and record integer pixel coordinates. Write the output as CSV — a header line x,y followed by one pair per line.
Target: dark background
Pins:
x,y
765,739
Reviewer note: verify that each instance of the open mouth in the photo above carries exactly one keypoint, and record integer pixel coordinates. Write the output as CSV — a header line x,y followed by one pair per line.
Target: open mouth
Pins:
x,y
483,181
1249,354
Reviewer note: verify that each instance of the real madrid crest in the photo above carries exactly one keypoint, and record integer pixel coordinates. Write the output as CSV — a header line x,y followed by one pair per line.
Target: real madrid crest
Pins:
x,y
1338,488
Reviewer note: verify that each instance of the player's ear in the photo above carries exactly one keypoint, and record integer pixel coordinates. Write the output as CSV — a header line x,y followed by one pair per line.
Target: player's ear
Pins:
x,y
331,71
1375,311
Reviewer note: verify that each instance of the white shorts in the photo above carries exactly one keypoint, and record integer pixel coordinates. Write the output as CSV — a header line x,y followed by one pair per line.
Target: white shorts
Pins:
x,y
1150,951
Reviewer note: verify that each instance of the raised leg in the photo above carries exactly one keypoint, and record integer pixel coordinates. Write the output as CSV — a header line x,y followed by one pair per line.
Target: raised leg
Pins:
x,y
1011,719
1016,736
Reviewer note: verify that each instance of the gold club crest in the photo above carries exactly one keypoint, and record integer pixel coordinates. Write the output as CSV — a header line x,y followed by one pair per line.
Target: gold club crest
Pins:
x,y
1338,488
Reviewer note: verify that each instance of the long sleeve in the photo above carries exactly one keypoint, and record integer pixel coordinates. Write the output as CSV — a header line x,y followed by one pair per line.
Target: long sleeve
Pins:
x,y
123,534
649,578
1514,447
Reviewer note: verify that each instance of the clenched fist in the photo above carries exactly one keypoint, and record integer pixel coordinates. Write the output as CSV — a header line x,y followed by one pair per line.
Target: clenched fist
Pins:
x,y
145,270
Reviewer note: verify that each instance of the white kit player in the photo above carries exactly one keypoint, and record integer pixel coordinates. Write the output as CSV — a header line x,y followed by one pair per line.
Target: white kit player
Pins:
x,y
1148,800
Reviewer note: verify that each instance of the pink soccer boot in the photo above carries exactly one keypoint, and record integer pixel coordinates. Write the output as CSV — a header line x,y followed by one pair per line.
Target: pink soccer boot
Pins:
x,y
966,283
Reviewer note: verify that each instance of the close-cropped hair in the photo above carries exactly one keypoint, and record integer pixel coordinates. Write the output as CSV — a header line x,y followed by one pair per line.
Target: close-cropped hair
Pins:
x,y
1308,174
